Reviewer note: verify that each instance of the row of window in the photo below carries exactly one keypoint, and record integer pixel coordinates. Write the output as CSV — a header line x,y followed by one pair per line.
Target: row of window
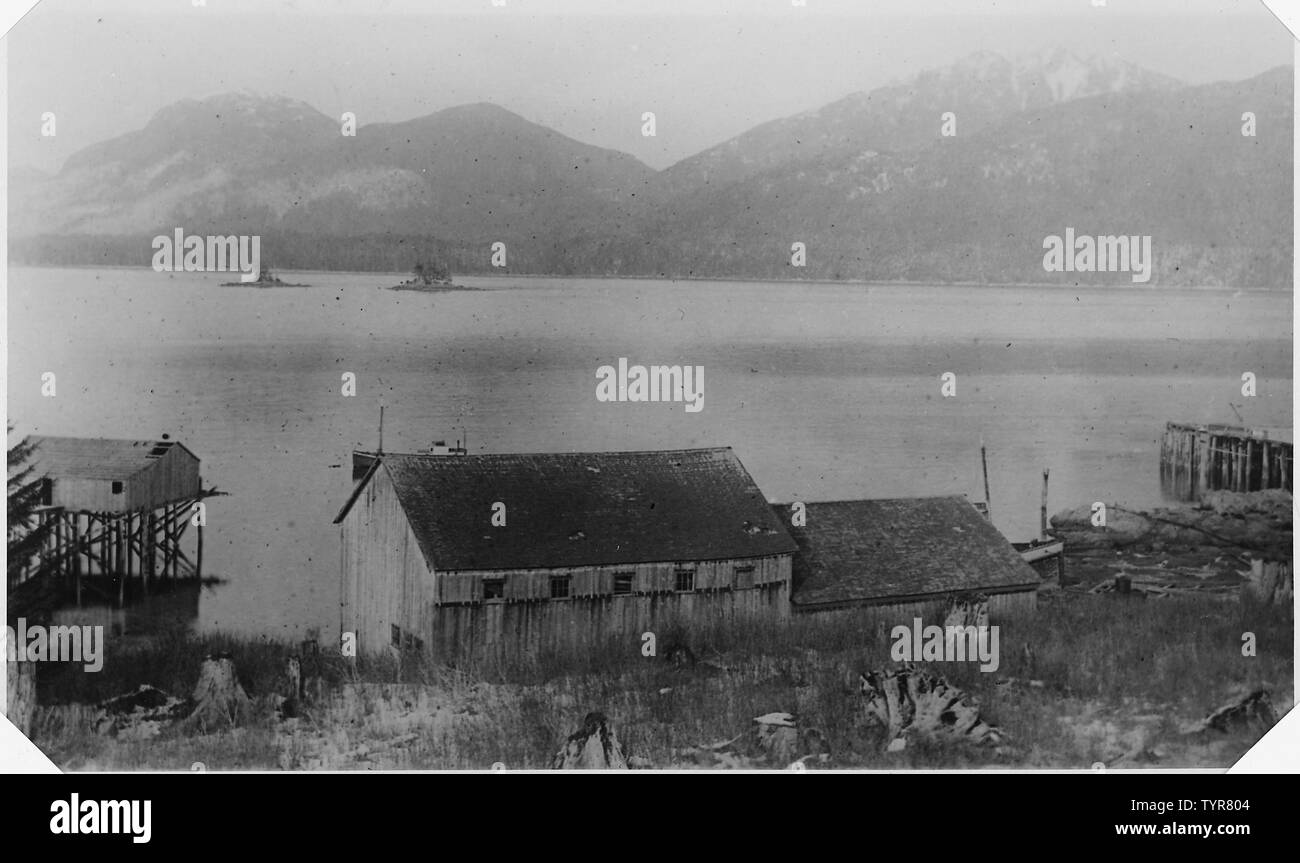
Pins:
x,y
624,583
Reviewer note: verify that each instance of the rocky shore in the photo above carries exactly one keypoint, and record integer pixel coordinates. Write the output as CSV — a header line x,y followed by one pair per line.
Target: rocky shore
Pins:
x,y
1206,546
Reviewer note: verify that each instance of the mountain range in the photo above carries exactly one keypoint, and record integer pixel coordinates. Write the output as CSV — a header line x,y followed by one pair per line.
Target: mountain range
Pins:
x,y
869,184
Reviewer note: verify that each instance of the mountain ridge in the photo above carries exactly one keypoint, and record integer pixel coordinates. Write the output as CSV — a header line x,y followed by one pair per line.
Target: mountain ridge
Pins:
x,y
867,182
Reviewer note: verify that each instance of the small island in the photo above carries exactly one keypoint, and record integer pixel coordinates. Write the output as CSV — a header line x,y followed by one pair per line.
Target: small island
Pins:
x,y
265,279
429,277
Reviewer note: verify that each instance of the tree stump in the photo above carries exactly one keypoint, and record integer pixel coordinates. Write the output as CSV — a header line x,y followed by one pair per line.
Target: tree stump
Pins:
x,y
20,688
777,737
291,705
911,703
1270,582
592,747
313,685
220,702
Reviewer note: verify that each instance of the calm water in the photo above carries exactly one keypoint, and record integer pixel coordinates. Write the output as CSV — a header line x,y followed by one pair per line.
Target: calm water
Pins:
x,y
825,391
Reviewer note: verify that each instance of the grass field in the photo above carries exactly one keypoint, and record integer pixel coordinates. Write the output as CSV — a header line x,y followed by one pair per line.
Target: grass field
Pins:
x,y
1110,680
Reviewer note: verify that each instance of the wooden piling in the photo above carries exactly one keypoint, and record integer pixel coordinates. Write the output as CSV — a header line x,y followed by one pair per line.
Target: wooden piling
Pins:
x,y
149,546
119,547
76,555
1198,459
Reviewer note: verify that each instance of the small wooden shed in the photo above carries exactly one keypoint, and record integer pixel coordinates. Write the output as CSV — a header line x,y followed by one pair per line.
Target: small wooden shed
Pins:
x,y
465,554
905,556
104,475
113,511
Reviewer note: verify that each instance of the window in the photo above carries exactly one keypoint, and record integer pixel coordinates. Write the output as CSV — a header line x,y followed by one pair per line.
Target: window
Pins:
x,y
117,486
744,577
494,588
395,635
685,579
623,583
560,586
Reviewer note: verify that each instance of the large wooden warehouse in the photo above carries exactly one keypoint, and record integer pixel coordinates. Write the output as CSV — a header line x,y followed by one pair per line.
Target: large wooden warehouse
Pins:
x,y
904,557
454,554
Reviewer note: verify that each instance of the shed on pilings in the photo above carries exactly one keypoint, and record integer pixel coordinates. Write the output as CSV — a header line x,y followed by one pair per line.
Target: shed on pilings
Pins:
x,y
114,510
104,475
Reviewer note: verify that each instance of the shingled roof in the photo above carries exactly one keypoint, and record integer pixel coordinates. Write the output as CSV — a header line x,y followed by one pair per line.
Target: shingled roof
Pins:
x,y
581,509
880,551
94,458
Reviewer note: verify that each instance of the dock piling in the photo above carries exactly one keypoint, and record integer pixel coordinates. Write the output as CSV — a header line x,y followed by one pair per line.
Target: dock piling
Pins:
x,y
1198,459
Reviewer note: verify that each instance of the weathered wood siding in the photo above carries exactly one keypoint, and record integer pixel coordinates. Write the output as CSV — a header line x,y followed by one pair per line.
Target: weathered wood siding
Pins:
x,y
496,628
171,478
929,610
88,495
385,581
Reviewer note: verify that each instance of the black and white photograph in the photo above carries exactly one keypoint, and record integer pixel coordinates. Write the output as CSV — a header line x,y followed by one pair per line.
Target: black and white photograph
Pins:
x,y
732,385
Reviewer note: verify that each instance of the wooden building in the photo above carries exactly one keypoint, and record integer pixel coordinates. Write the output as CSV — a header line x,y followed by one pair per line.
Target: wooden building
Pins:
x,y
905,557
1195,459
461,555
116,510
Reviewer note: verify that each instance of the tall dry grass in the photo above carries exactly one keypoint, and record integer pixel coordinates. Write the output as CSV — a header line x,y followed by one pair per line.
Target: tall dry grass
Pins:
x,y
1104,675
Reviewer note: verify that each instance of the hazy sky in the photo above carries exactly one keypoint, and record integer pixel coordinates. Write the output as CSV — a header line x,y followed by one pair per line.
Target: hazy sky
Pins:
x,y
709,69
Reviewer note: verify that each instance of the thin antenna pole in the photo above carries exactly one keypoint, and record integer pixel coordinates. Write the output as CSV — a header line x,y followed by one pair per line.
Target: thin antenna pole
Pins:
x,y
1042,513
984,463
381,430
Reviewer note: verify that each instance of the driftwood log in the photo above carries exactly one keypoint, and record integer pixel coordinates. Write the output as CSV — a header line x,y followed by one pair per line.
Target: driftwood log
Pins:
x,y
1251,711
591,747
910,702
774,740
138,715
20,689
219,700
